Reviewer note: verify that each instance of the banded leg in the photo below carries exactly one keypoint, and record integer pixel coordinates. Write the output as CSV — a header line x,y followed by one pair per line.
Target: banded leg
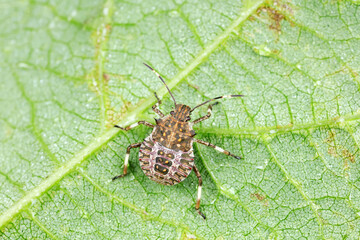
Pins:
x,y
135,125
207,115
155,108
216,148
197,206
135,145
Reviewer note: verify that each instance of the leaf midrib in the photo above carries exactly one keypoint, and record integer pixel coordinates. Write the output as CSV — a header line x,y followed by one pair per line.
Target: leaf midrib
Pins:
x,y
106,136
339,121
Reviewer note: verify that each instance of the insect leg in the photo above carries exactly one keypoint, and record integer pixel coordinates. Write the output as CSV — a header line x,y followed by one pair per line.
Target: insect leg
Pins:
x,y
135,125
206,116
216,148
197,206
135,145
155,108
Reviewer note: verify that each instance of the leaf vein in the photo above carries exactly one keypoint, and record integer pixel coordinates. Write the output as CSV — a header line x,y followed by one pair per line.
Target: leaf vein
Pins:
x,y
298,188
257,131
106,136
145,215
223,191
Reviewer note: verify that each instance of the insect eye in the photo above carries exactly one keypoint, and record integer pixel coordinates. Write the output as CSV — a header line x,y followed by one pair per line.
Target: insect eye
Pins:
x,y
172,112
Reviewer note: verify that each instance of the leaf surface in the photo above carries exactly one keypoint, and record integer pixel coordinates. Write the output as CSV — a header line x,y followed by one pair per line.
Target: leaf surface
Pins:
x,y
73,69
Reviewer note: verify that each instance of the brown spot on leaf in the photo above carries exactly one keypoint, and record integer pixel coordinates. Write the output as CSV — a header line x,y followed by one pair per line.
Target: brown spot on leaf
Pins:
x,y
275,16
347,154
339,151
260,198
276,13
331,137
106,77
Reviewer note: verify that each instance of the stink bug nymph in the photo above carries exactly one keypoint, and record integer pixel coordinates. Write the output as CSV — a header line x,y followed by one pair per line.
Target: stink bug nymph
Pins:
x,y
166,155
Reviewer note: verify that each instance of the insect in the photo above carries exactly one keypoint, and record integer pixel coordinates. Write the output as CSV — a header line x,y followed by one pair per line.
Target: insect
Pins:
x,y
166,156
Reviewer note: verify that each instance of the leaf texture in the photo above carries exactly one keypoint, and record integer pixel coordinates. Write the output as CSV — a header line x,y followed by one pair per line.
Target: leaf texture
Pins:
x,y
70,70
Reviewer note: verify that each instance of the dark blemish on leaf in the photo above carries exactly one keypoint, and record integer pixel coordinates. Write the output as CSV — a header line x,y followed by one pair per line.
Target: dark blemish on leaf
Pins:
x,y
106,77
330,140
338,150
258,196
261,198
331,137
277,12
347,154
275,16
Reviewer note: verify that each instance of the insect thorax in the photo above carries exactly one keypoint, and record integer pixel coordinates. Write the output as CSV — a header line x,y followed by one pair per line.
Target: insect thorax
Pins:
x,y
173,134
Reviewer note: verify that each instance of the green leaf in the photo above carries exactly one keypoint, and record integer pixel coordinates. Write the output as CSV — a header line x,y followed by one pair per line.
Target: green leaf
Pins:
x,y
70,70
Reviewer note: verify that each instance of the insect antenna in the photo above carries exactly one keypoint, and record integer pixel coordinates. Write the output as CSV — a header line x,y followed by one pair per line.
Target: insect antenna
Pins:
x,y
162,81
226,96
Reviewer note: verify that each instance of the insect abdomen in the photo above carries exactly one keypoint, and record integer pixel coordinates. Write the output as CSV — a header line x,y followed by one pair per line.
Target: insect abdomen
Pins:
x,y
164,165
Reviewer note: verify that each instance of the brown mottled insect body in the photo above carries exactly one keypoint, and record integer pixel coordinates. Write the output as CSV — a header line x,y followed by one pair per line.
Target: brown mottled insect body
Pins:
x,y
164,165
166,155
173,133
